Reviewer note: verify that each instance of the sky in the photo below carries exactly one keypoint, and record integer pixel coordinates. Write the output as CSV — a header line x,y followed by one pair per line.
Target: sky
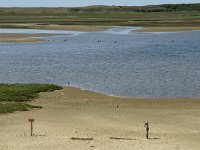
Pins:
x,y
75,3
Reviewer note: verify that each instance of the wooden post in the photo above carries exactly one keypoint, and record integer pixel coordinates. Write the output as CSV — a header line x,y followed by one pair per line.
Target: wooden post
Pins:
x,y
146,125
31,121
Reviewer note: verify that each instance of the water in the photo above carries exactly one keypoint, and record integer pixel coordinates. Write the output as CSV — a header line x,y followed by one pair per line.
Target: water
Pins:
x,y
148,65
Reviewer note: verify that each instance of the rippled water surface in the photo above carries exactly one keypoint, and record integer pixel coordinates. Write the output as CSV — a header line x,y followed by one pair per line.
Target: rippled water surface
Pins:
x,y
114,62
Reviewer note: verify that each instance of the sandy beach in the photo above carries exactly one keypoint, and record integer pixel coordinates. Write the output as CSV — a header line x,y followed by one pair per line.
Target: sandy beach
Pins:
x,y
71,112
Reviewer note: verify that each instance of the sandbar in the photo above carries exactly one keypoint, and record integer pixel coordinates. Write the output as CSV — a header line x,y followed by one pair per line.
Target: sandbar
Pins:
x,y
168,29
19,37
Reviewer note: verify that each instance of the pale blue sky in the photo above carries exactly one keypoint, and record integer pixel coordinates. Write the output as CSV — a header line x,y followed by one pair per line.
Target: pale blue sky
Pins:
x,y
73,3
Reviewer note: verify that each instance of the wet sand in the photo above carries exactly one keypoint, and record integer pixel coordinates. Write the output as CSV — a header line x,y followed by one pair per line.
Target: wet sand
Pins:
x,y
71,112
168,29
19,37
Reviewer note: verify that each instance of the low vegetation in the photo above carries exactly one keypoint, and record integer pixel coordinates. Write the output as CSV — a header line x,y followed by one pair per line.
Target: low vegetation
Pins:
x,y
102,9
12,95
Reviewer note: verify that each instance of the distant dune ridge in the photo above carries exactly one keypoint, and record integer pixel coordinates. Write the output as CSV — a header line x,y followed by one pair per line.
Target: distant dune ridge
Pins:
x,y
92,18
105,9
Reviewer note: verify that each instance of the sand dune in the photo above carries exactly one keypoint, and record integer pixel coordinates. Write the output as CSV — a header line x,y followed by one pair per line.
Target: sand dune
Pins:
x,y
71,112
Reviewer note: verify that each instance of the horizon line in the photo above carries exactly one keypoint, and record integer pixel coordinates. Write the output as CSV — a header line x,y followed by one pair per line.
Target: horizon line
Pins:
x,y
97,5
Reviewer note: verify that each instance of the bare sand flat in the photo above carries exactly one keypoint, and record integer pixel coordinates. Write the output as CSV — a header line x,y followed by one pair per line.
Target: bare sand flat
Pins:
x,y
168,29
19,37
71,112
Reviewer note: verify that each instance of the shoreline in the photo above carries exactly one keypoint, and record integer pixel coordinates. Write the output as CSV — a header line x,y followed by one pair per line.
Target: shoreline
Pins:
x,y
167,29
22,37
129,97
93,92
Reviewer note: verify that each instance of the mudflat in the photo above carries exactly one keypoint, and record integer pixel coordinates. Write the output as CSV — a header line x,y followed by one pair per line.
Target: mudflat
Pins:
x,y
75,113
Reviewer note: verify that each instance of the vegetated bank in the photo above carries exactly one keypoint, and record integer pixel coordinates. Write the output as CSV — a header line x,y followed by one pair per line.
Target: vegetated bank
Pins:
x,y
13,97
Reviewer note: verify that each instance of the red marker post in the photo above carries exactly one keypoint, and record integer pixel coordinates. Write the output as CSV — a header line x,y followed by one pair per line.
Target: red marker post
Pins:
x,y
31,121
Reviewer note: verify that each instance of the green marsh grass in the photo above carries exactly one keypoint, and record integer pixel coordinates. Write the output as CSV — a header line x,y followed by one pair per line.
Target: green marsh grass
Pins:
x,y
12,95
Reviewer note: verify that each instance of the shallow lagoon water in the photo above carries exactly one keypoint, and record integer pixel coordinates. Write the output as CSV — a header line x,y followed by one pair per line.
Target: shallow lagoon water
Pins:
x,y
147,65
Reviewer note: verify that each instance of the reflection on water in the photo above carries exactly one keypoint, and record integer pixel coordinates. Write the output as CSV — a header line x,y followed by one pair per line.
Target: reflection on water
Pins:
x,y
131,64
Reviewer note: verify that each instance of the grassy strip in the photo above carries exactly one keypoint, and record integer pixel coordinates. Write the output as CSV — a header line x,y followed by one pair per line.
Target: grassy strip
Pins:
x,y
24,92
11,107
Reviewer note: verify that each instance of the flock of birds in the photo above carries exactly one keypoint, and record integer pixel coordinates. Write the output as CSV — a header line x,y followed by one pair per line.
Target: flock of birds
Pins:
x,y
52,40
66,41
